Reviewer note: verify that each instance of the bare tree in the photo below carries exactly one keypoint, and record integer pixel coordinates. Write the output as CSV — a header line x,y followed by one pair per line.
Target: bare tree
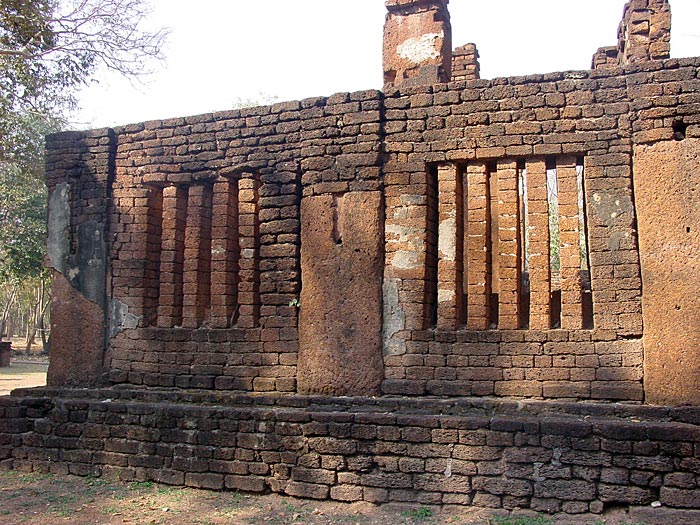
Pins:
x,y
84,33
49,48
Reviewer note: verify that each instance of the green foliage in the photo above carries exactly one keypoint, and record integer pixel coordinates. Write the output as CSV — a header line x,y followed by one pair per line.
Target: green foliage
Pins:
x,y
23,202
22,224
420,514
48,48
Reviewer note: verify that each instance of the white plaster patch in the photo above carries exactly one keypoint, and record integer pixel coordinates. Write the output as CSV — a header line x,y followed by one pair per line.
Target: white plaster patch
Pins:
x,y
405,260
421,49
446,296
446,239
398,233
248,253
413,200
394,319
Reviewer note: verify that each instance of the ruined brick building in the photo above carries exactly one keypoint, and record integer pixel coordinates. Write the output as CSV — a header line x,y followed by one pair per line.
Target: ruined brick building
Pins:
x,y
456,290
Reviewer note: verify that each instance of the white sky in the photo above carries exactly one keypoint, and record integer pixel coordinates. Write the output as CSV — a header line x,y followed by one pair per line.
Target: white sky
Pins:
x,y
220,51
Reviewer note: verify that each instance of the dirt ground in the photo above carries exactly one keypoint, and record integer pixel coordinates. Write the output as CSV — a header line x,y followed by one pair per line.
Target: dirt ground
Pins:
x,y
44,499
23,372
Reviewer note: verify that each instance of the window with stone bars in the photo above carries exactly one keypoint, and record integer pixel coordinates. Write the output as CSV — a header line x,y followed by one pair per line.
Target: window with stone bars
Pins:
x,y
202,252
507,245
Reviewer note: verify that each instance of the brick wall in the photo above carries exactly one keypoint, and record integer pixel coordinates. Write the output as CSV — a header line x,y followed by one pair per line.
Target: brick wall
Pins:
x,y
206,235
211,298
465,63
542,456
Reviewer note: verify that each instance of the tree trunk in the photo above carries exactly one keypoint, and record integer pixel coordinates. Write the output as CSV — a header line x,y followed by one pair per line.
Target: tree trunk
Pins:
x,y
32,318
6,312
45,341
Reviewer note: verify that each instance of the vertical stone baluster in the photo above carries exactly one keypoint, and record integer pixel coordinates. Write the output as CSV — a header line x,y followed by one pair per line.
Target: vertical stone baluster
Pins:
x,y
248,228
225,254
540,273
197,263
477,246
509,256
570,248
450,248
153,227
172,256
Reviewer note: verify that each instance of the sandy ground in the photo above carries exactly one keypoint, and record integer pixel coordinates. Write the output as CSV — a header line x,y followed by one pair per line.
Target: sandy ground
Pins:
x,y
25,373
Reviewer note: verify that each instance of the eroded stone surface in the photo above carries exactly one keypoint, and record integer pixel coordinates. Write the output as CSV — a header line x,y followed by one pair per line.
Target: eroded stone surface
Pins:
x,y
77,336
666,188
340,344
417,42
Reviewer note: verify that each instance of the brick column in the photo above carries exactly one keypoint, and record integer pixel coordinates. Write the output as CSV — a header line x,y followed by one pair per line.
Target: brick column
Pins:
x,y
417,42
248,228
509,256
570,248
197,262
450,248
410,254
645,31
538,234
153,227
225,253
477,246
465,63
172,256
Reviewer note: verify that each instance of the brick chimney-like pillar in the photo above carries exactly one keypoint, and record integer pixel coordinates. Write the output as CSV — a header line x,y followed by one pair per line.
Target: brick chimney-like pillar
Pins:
x,y
417,42
645,31
465,63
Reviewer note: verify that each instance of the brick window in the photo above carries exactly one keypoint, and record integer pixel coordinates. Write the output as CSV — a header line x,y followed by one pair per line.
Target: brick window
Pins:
x,y
507,245
202,266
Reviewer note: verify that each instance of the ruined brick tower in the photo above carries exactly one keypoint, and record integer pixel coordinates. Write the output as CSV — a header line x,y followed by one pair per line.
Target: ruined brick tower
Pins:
x,y
417,42
389,296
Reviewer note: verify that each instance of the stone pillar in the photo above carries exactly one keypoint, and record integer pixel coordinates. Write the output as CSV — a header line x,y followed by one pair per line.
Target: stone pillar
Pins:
x,y
450,248
417,42
570,245
538,218
465,63
225,253
249,240
477,246
197,263
645,31
509,253
340,318
667,197
172,256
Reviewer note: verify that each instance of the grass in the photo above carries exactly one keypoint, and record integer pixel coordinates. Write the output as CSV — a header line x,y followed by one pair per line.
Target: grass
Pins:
x,y
142,485
420,514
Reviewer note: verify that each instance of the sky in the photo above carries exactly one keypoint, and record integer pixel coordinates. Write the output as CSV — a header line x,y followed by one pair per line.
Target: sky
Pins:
x,y
223,51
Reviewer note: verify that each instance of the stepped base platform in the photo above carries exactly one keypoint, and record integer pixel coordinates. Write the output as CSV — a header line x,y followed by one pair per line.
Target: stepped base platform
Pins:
x,y
546,456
